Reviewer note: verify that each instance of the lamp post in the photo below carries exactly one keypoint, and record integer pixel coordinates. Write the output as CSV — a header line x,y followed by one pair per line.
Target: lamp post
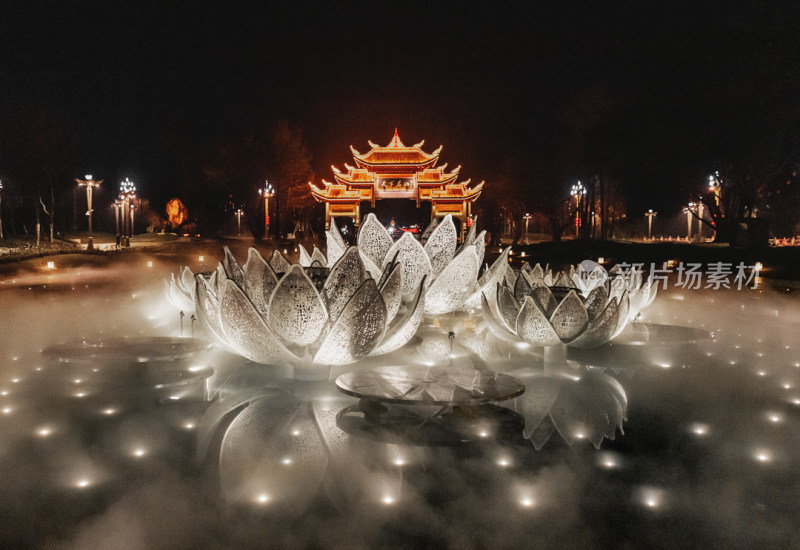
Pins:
x,y
127,192
714,186
578,191
650,215
527,218
239,221
266,192
116,206
689,209
89,182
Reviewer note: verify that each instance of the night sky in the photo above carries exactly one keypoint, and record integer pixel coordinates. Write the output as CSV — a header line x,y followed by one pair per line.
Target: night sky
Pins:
x,y
488,83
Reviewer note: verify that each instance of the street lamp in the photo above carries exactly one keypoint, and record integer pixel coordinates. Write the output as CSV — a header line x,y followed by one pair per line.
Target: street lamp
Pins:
x,y
89,182
239,221
266,192
714,186
578,191
127,192
650,215
116,205
527,217
689,209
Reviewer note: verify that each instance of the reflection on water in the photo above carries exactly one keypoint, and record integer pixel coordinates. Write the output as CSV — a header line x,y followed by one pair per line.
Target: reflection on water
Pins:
x,y
115,432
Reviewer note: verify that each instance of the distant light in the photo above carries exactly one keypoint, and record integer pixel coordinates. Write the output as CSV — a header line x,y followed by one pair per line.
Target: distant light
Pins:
x,y
699,429
109,412
44,431
286,461
87,176
150,263
201,258
503,462
762,455
601,260
388,499
51,265
262,498
399,461
526,502
82,483
189,425
295,432
7,410
139,452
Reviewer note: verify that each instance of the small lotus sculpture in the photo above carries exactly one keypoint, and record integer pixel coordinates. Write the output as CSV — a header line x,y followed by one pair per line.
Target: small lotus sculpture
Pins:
x,y
451,273
546,316
273,311
180,290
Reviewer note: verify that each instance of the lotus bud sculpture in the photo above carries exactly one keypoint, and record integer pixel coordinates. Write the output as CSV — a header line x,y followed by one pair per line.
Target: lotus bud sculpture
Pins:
x,y
272,311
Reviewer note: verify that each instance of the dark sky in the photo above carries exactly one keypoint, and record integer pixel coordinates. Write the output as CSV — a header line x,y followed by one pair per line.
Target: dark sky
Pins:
x,y
486,83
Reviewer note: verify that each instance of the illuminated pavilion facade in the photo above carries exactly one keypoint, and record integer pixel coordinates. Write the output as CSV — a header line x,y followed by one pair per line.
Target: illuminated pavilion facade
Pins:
x,y
396,172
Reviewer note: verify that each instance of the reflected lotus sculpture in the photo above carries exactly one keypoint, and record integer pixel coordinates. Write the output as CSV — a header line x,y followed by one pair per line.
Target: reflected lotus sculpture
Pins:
x,y
589,405
273,311
451,273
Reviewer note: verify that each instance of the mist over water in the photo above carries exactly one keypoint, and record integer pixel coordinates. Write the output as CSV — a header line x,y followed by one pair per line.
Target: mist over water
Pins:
x,y
114,458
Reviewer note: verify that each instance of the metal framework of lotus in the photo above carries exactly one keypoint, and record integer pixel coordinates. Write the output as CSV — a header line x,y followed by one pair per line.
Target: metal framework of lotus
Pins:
x,y
272,311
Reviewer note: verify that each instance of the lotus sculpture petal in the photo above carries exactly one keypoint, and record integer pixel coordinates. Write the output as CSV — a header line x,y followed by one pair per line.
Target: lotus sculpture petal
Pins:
x,y
271,316
450,273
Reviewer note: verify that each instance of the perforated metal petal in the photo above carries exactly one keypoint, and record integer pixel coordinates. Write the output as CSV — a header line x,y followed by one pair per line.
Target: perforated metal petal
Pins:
x,y
404,328
570,317
508,305
259,281
305,257
343,280
296,310
534,327
373,240
413,258
596,301
523,286
187,281
279,263
232,268
318,256
441,245
601,328
544,299
487,284
454,284
246,330
334,250
392,291
358,329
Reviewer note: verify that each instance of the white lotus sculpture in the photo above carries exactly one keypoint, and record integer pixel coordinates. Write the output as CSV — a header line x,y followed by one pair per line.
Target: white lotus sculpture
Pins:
x,y
180,290
450,273
546,316
274,311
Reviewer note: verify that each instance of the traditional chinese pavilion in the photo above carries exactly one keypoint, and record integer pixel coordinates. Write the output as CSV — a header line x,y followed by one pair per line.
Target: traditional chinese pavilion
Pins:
x,y
396,172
